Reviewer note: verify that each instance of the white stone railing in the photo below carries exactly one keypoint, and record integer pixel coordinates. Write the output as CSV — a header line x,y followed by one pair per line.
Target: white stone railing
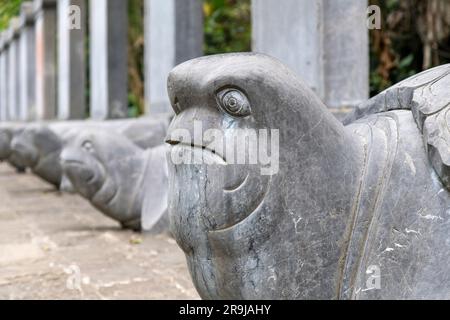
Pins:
x,y
43,60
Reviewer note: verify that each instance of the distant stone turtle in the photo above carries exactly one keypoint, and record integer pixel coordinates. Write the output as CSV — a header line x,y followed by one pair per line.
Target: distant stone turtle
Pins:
x,y
38,146
5,143
7,133
354,212
123,181
144,132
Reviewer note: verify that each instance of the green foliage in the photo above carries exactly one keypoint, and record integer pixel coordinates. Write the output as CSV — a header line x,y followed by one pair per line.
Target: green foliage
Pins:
x,y
135,57
8,9
392,56
133,106
227,26
398,49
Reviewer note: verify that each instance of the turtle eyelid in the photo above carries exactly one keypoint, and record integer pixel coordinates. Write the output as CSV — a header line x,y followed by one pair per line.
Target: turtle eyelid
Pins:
x,y
225,89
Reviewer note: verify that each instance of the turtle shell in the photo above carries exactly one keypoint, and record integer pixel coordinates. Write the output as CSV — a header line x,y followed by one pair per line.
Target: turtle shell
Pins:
x,y
427,95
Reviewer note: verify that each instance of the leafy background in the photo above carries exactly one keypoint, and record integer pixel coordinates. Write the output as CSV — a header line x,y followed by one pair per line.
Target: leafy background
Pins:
x,y
415,35
8,9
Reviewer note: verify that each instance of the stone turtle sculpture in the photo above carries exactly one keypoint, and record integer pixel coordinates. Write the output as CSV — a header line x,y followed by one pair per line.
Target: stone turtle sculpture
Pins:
x,y
38,146
427,96
7,133
5,143
120,179
349,205
145,132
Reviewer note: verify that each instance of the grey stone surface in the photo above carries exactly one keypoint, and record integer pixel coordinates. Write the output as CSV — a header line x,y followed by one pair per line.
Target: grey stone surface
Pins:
x,y
71,60
27,63
323,41
145,132
39,148
173,34
13,70
46,59
5,143
108,58
7,132
346,201
425,94
120,179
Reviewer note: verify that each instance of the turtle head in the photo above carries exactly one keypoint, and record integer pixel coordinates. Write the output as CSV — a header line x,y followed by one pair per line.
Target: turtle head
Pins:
x,y
24,148
103,166
237,214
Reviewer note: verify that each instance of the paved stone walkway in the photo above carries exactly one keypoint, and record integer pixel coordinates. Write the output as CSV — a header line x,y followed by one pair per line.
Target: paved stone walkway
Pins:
x,y
56,246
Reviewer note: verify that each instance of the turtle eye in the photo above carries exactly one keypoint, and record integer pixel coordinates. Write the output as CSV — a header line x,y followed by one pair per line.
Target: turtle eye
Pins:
x,y
88,146
234,102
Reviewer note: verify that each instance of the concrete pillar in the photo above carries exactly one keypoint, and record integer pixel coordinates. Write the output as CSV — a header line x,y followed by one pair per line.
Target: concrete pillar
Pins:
x,y
13,70
71,59
323,41
46,76
108,59
27,73
3,104
173,34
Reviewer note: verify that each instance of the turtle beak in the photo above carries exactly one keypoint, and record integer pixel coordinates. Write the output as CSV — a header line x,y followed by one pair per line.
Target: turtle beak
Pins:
x,y
82,170
188,128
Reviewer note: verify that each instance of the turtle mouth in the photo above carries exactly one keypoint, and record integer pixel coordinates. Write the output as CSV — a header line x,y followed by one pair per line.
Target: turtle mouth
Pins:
x,y
71,165
214,157
74,164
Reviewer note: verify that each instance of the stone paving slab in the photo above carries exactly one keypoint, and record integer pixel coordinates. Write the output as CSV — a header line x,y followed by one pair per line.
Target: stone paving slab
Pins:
x,y
57,246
